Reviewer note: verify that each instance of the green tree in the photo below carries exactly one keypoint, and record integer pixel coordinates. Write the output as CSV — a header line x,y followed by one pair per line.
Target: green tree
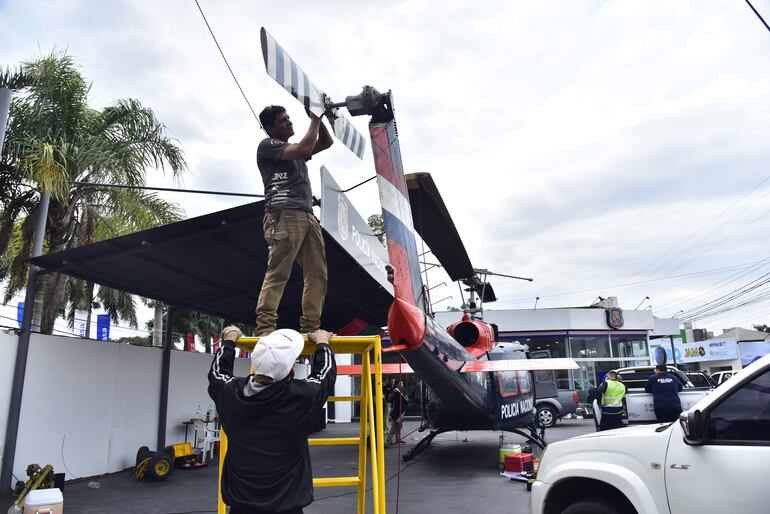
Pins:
x,y
53,139
377,224
762,328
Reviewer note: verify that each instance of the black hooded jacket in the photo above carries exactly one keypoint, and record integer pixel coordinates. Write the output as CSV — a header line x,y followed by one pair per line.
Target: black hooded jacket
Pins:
x,y
267,466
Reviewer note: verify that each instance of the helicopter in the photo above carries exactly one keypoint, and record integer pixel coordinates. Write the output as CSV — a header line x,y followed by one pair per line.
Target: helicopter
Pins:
x,y
471,381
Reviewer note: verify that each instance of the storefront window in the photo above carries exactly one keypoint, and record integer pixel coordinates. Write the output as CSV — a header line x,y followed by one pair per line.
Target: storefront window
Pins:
x,y
553,343
589,347
628,345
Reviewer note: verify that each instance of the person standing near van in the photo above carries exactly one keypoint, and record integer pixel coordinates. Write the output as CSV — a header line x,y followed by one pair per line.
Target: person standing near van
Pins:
x,y
613,391
665,388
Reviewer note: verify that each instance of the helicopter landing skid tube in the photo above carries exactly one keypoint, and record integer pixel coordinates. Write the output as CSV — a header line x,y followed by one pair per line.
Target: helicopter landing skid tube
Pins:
x,y
422,445
534,437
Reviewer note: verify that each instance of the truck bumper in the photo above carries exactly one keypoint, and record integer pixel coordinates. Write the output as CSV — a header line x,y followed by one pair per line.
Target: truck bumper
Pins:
x,y
538,495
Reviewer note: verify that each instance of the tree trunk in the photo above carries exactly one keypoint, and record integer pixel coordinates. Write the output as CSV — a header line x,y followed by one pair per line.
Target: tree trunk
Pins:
x,y
157,326
59,233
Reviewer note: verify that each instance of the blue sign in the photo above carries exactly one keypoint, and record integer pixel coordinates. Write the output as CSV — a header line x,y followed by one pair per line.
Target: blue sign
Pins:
x,y
103,327
20,312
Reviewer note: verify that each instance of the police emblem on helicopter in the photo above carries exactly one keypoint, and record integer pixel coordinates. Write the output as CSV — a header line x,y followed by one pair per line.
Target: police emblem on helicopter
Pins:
x,y
342,217
615,318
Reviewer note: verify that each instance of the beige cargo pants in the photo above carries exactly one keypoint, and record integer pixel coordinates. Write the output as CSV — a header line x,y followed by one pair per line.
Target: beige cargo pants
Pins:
x,y
292,235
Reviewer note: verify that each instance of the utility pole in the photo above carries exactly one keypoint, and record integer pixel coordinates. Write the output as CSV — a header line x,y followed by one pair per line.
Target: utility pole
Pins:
x,y
22,350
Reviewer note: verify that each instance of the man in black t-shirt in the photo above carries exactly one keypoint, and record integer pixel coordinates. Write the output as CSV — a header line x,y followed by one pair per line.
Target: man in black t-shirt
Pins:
x,y
665,388
291,230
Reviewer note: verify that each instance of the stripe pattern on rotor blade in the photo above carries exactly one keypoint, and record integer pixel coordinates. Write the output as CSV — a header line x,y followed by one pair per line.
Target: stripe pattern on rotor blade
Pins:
x,y
347,133
280,66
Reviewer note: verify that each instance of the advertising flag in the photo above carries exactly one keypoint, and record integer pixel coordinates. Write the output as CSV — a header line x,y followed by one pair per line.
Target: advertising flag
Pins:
x,y
103,327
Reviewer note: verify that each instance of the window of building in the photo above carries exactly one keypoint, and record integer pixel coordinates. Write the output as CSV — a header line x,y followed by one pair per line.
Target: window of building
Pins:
x,y
629,345
554,343
589,346
744,416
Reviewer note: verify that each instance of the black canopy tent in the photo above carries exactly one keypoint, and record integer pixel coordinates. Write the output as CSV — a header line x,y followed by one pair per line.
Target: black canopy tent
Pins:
x,y
215,264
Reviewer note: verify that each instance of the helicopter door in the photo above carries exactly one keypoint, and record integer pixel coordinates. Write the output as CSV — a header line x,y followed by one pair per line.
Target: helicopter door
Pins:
x,y
545,380
512,391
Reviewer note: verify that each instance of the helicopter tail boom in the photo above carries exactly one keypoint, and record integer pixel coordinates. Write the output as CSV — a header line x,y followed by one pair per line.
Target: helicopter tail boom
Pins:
x,y
396,214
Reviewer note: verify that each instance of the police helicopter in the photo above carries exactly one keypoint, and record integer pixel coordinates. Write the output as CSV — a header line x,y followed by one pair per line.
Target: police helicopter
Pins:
x,y
472,382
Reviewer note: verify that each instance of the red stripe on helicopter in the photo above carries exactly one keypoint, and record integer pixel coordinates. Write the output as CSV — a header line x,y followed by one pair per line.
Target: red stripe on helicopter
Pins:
x,y
390,168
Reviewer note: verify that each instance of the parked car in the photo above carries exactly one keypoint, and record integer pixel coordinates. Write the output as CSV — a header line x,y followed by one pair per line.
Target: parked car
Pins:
x,y
699,379
550,410
714,459
719,377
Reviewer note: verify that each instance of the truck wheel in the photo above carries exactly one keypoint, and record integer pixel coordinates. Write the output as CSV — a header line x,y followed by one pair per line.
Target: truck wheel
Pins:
x,y
595,506
546,415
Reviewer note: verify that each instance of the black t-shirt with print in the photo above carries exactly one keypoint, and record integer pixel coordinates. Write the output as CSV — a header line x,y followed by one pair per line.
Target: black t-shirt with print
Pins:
x,y
287,185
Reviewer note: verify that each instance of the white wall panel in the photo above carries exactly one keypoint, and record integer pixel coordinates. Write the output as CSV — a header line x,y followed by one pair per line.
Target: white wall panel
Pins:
x,y
8,342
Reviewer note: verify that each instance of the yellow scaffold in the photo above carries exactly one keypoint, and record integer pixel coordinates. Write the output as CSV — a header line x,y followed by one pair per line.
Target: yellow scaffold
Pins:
x,y
371,414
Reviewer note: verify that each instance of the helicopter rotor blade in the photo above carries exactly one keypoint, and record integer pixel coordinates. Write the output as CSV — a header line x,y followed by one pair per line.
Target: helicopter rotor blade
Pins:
x,y
287,73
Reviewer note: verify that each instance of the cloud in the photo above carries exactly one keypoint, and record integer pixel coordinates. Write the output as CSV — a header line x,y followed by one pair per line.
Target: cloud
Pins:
x,y
572,141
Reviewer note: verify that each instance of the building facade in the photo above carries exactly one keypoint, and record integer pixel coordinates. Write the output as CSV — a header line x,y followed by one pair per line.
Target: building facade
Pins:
x,y
598,338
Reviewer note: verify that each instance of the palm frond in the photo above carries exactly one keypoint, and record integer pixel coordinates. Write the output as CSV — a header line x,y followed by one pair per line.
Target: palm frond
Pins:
x,y
44,166
14,79
118,304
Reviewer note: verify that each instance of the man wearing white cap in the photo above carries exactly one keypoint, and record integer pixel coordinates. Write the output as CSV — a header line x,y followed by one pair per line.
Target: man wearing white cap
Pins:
x,y
267,417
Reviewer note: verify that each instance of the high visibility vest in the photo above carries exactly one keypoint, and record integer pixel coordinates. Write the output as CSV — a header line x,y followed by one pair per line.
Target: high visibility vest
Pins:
x,y
613,396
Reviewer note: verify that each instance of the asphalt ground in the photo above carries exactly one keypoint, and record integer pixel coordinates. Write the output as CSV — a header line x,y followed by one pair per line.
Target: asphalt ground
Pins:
x,y
457,473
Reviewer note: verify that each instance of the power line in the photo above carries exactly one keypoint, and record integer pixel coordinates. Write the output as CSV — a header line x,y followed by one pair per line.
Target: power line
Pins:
x,y
726,298
171,189
713,287
739,267
227,63
758,15
698,230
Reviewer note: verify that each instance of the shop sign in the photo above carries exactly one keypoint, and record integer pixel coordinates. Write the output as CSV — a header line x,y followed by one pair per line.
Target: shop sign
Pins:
x,y
700,351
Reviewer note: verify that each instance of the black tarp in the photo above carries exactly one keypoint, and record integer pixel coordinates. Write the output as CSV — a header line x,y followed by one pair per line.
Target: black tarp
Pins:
x,y
215,264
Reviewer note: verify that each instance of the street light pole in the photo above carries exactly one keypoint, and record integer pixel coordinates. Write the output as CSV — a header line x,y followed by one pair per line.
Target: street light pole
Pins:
x,y
22,350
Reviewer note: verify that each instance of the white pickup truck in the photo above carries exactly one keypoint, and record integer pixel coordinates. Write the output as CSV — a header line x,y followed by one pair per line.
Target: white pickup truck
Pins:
x,y
716,459
639,404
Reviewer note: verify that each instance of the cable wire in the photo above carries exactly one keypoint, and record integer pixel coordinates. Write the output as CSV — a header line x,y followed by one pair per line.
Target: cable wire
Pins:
x,y
227,63
758,15
698,230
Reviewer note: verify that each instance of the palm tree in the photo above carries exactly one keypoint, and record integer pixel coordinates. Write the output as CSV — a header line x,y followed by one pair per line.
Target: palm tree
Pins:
x,y
54,138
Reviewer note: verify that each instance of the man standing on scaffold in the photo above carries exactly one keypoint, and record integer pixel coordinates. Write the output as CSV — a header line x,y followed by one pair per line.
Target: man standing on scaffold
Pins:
x,y
292,231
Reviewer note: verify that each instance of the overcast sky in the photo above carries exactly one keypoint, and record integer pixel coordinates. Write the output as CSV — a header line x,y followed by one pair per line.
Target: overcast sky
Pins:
x,y
603,148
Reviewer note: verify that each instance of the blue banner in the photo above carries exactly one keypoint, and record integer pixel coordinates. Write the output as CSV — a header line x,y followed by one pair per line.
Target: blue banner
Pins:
x,y
103,327
20,312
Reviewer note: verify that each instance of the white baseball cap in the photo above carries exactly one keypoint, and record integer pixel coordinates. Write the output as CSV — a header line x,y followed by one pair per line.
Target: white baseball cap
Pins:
x,y
275,354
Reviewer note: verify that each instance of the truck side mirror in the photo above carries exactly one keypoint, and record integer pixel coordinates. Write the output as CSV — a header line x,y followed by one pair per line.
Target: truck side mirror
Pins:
x,y
692,426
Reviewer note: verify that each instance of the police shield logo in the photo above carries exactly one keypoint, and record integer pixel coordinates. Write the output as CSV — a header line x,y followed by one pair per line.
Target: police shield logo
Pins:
x,y
342,217
615,318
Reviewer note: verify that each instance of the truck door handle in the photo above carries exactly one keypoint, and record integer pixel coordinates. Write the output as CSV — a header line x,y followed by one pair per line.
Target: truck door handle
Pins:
x,y
680,466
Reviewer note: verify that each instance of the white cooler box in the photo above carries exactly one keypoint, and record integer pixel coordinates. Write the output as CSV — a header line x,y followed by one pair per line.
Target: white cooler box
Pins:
x,y
44,501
